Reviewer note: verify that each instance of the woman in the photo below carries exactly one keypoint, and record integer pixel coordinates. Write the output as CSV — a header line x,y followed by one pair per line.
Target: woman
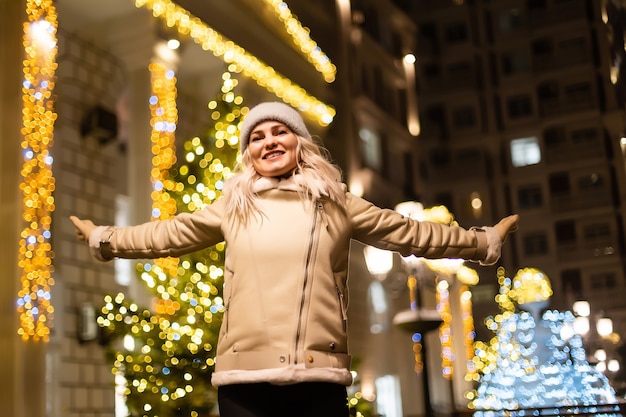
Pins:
x,y
287,221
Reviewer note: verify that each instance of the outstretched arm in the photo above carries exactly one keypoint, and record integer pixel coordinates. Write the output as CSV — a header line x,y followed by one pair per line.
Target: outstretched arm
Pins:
x,y
179,235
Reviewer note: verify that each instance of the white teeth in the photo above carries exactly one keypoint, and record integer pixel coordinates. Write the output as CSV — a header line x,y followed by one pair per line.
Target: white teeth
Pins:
x,y
272,155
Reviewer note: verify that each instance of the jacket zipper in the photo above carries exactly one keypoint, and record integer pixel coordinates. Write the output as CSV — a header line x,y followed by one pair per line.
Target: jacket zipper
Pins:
x,y
344,313
306,279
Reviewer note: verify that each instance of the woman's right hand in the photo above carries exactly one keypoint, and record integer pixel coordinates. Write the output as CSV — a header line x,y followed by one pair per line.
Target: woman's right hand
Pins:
x,y
83,228
506,225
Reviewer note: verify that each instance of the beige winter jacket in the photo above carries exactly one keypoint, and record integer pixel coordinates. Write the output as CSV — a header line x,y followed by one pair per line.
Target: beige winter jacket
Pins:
x,y
285,283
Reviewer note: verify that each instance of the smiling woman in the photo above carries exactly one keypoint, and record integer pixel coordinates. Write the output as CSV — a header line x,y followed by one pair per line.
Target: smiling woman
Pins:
x,y
273,149
287,222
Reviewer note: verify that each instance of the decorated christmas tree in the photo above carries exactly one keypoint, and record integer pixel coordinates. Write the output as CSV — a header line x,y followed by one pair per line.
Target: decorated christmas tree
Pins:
x,y
535,360
165,352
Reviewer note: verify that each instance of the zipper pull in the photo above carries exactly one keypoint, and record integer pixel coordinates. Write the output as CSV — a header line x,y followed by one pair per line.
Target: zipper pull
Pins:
x,y
323,216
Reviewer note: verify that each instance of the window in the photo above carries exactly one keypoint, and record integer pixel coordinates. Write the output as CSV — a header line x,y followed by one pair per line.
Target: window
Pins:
x,y
603,280
378,307
525,151
464,117
371,149
530,197
597,231
124,268
431,71
459,69
554,137
440,157
548,90
519,106
542,46
509,20
585,135
590,182
515,62
571,281
565,231
559,183
535,244
388,399
537,4
574,46
578,91
456,32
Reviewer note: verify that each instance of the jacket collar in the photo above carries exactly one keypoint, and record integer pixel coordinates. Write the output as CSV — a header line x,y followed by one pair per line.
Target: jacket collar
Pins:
x,y
269,183
292,183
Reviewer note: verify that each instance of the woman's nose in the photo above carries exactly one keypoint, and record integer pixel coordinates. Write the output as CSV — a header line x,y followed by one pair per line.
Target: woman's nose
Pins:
x,y
270,141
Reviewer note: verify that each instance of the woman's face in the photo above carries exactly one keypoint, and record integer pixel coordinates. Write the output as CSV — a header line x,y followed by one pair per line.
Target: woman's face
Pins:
x,y
272,149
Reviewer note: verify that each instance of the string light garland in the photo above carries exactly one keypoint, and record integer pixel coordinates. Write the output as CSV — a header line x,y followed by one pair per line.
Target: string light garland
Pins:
x,y
302,39
38,117
265,76
445,328
469,331
164,117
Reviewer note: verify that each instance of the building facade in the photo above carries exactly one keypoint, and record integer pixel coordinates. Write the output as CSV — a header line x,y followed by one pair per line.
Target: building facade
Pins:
x,y
522,111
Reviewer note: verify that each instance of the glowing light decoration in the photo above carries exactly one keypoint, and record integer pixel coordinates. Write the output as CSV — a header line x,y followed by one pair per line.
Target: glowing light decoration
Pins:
x,y
469,332
38,117
302,39
164,117
535,361
168,348
265,76
445,329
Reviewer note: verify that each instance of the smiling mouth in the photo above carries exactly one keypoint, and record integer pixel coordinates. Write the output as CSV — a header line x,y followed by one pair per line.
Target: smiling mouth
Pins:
x,y
272,155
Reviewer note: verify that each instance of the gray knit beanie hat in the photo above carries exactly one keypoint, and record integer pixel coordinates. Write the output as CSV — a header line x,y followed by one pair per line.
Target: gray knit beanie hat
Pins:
x,y
277,111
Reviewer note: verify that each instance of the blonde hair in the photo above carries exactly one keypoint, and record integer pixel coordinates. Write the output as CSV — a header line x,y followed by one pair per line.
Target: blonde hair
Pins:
x,y
317,178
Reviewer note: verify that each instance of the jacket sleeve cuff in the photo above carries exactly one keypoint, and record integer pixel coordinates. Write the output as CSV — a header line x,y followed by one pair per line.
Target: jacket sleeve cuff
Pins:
x,y
494,246
95,238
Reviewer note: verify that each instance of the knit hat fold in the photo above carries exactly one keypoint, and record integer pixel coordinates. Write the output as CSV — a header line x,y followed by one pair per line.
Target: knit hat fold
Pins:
x,y
277,111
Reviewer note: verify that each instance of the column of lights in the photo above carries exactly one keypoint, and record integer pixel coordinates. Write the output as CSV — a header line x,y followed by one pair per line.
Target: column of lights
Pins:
x,y
38,117
469,331
417,337
265,76
164,117
302,39
445,328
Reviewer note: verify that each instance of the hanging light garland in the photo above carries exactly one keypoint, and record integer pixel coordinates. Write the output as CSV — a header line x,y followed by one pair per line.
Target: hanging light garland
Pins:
x,y
302,39
265,76
38,117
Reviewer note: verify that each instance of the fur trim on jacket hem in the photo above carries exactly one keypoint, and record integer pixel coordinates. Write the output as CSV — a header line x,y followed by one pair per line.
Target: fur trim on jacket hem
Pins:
x,y
283,376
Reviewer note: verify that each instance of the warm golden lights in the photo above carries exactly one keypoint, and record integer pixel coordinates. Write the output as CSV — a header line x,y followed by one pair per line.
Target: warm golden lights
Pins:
x,y
302,39
38,117
264,75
